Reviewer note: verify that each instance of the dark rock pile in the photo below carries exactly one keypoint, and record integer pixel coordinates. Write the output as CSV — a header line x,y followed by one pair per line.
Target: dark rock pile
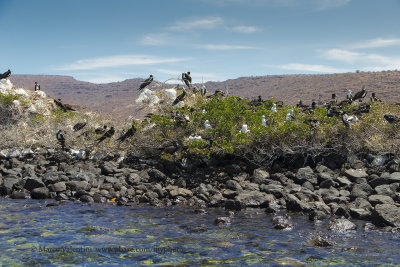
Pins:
x,y
353,191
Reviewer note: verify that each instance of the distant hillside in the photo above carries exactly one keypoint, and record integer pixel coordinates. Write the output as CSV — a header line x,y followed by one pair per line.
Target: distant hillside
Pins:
x,y
119,98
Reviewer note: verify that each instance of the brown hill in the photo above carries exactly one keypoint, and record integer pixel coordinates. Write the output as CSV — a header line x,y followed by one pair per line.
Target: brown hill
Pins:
x,y
118,99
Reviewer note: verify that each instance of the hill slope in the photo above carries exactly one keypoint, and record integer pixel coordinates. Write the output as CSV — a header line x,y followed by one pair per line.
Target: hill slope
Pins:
x,y
118,98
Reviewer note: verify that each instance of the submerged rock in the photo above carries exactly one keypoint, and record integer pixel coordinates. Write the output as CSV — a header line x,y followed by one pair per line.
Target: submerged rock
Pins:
x,y
341,225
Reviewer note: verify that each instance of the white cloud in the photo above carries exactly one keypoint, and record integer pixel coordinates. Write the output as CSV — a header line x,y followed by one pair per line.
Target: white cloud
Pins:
x,y
118,61
311,68
224,47
356,57
376,43
245,29
204,23
341,55
156,39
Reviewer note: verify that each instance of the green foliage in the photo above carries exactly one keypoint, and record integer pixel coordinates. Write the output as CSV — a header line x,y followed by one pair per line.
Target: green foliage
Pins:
x,y
59,115
7,99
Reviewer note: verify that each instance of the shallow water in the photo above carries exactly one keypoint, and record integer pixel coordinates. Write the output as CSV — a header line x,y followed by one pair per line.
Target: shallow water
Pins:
x,y
91,235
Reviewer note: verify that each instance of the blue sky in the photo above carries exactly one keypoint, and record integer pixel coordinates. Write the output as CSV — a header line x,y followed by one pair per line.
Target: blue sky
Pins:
x,y
105,41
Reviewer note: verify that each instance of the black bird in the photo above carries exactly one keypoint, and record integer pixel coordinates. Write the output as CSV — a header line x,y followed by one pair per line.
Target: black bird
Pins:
x,y
146,82
5,74
129,133
374,98
64,107
79,125
360,94
37,87
61,139
107,134
187,79
100,130
179,98
391,119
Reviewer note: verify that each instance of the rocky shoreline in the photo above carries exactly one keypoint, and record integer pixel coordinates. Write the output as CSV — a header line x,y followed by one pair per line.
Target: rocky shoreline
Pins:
x,y
356,189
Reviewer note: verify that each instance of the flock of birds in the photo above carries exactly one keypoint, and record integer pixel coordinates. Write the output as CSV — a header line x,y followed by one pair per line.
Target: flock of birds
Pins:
x,y
334,108
186,78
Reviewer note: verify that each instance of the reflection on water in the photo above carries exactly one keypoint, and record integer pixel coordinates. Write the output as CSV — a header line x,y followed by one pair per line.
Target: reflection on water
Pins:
x,y
92,235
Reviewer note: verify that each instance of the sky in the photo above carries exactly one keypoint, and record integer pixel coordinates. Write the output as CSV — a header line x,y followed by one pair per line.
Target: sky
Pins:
x,y
107,41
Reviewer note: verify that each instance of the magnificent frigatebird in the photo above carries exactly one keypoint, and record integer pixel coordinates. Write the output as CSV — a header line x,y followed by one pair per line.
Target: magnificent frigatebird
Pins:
x,y
360,94
187,79
61,139
146,82
129,133
179,98
374,98
391,119
79,125
5,74
107,134
64,107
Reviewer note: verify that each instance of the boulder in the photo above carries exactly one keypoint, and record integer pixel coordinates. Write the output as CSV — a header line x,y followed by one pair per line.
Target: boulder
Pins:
x,y
58,187
386,215
295,204
394,177
380,199
254,199
8,183
157,176
233,205
32,183
233,185
282,223
305,174
361,190
18,195
355,174
78,185
260,176
40,193
274,189
180,192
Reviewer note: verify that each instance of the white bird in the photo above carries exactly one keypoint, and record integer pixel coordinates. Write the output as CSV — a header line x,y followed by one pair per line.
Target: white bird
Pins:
x,y
274,108
244,129
289,115
204,111
263,121
207,125
195,137
349,94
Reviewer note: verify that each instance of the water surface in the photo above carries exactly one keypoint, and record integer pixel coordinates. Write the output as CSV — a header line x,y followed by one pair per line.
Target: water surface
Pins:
x,y
92,235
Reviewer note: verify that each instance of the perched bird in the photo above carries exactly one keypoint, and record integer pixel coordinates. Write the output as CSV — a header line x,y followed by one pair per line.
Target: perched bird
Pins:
x,y
263,121
37,87
363,108
179,98
107,134
129,133
374,98
289,115
279,104
391,119
207,125
100,130
5,74
360,94
80,125
61,139
244,129
350,94
273,109
187,79
349,121
146,82
301,105
64,107
203,111
203,90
